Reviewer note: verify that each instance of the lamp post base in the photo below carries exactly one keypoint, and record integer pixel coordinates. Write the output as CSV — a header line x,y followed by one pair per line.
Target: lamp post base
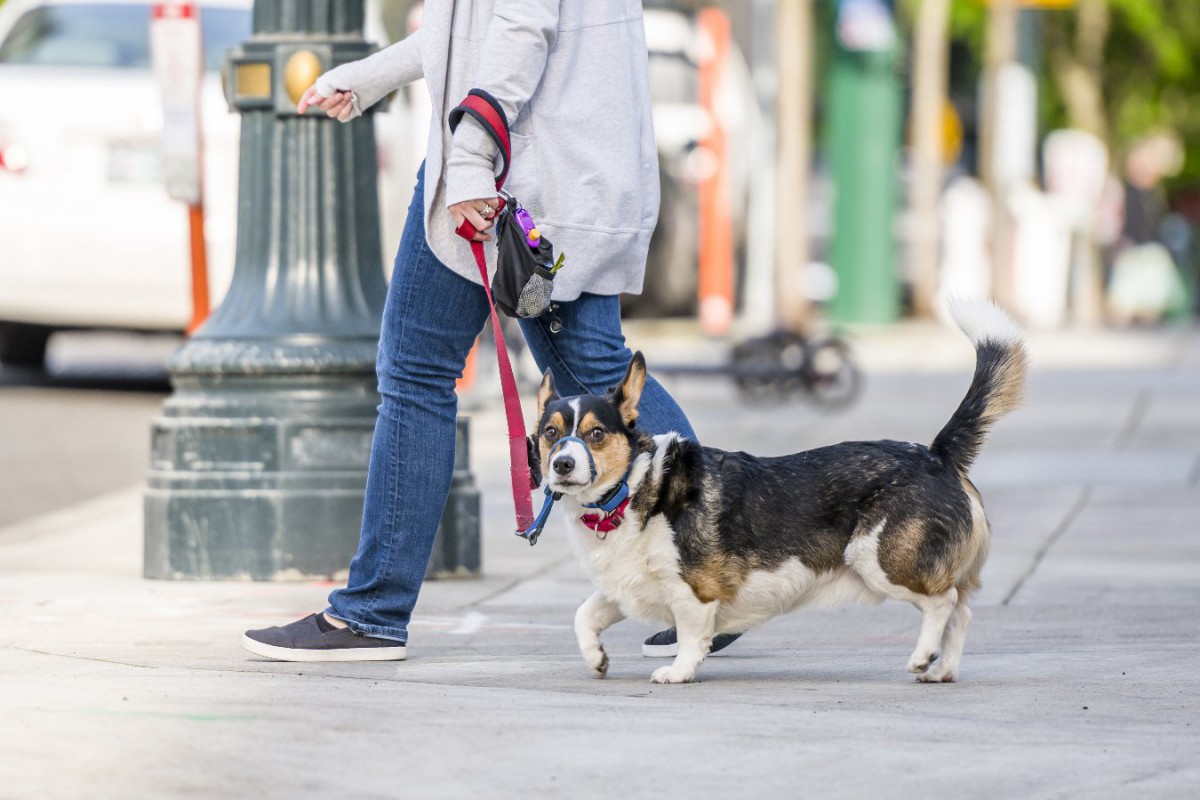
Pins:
x,y
260,474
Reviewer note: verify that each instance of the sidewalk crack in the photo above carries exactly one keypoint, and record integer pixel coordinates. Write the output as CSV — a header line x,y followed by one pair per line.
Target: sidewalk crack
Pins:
x,y
1056,534
80,658
516,582
1133,421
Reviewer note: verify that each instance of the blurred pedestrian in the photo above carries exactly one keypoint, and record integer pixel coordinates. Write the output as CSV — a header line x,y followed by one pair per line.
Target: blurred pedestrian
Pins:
x,y
1145,285
572,78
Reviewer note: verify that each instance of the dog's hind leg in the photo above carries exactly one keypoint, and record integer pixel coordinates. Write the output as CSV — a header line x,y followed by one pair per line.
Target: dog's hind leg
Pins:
x,y
946,668
863,556
695,624
593,617
936,611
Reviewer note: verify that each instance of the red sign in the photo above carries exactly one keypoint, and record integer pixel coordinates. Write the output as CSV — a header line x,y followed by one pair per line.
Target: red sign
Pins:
x,y
170,10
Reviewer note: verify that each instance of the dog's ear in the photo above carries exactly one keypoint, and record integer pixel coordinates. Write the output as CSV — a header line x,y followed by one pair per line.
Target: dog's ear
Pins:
x,y
628,392
546,394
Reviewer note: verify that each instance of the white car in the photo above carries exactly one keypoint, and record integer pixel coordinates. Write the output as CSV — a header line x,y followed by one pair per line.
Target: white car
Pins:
x,y
88,235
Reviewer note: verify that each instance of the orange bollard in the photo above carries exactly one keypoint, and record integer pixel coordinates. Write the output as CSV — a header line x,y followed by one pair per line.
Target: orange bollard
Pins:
x,y
716,217
200,303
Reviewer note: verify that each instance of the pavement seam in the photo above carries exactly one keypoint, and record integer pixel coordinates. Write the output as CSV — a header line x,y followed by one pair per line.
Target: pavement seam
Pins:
x,y
515,582
81,658
1133,421
1056,534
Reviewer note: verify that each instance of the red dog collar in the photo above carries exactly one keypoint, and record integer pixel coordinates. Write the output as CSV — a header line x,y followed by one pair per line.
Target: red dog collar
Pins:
x,y
603,523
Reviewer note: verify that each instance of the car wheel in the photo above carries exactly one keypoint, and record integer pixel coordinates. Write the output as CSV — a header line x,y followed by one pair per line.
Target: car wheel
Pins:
x,y
24,345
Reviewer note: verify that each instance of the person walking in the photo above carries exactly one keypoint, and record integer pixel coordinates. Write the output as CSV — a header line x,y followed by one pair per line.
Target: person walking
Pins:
x,y
572,79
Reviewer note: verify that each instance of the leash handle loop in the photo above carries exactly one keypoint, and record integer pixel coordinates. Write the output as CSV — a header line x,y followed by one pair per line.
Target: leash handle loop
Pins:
x,y
485,110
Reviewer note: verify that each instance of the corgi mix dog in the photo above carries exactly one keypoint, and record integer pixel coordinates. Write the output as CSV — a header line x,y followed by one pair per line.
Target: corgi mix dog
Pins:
x,y
720,542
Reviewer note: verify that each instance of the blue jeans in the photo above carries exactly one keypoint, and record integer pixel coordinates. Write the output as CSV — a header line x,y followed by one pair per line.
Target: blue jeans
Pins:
x,y
430,321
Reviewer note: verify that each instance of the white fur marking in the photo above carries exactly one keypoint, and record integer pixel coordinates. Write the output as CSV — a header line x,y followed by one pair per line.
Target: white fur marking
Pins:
x,y
574,404
983,321
767,594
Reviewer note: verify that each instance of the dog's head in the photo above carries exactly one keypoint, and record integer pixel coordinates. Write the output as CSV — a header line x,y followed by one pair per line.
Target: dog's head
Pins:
x,y
585,444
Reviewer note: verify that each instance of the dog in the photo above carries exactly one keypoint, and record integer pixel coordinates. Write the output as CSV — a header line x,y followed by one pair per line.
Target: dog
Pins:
x,y
721,542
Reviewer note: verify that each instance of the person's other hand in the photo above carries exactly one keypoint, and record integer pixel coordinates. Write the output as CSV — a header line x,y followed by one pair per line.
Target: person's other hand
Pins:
x,y
478,212
339,104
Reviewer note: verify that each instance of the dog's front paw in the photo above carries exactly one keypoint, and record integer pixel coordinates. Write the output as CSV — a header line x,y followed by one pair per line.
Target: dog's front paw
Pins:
x,y
920,662
672,675
597,660
939,674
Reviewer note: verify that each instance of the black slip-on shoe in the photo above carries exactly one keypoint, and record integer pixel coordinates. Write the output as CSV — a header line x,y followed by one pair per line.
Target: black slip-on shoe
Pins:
x,y
664,644
315,639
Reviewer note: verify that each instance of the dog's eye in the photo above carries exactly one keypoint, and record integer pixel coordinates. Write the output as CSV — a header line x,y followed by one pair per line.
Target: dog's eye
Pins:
x,y
550,432
596,434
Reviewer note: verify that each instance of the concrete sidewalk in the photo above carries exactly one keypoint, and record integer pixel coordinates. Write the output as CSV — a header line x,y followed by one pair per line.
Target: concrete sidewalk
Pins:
x,y
1079,680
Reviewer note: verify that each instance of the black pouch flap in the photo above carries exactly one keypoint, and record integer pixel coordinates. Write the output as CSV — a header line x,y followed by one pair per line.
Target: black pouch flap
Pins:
x,y
521,271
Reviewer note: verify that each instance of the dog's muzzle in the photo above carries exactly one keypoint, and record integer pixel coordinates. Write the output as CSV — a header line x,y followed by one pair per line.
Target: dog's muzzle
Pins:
x,y
563,464
566,462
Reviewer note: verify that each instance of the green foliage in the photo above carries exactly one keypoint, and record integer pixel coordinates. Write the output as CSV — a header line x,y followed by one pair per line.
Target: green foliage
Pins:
x,y
968,22
1149,80
1152,81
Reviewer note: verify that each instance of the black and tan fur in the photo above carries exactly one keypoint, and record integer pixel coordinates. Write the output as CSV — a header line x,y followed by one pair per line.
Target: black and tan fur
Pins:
x,y
718,542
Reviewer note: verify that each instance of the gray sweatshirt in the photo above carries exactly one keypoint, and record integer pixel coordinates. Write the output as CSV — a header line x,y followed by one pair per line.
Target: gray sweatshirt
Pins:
x,y
572,78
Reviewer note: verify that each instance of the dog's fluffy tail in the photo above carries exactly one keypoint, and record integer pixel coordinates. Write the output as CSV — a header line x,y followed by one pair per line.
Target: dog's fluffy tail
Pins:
x,y
999,383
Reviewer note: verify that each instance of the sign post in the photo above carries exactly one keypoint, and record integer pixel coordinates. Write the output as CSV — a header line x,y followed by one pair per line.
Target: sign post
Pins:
x,y
177,54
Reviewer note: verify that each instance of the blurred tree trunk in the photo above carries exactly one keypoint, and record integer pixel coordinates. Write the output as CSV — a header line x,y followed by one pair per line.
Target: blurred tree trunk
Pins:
x,y
930,81
1002,29
794,68
1077,63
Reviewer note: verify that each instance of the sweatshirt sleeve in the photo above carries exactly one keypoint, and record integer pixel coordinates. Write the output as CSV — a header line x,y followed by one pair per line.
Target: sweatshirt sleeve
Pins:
x,y
372,78
511,64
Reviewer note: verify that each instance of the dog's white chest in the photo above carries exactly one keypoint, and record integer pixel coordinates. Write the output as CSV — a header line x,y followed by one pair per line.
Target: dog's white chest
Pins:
x,y
636,568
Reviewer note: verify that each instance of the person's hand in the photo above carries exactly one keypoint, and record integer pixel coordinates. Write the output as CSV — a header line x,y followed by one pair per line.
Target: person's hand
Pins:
x,y
339,104
478,212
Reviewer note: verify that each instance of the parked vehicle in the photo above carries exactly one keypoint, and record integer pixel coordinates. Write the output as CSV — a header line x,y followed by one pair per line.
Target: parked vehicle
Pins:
x,y
88,235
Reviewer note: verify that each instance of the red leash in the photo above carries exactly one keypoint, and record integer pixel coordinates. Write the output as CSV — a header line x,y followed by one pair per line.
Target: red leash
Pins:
x,y
485,110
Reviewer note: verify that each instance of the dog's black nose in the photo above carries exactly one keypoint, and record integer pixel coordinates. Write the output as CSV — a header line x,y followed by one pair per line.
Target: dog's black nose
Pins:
x,y
564,464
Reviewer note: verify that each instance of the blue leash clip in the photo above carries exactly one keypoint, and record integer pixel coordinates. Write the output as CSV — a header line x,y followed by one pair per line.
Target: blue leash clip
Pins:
x,y
535,530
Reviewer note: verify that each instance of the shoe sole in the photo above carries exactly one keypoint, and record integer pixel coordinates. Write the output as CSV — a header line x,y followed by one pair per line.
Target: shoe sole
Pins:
x,y
660,650
672,650
344,654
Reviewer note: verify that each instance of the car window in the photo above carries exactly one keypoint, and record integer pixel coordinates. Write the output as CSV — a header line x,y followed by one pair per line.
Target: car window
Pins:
x,y
116,35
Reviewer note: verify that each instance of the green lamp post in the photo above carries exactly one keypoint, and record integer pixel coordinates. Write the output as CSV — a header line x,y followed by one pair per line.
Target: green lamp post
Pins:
x,y
259,460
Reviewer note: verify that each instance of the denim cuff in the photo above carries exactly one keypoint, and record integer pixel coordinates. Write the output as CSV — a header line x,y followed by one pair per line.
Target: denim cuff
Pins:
x,y
378,631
